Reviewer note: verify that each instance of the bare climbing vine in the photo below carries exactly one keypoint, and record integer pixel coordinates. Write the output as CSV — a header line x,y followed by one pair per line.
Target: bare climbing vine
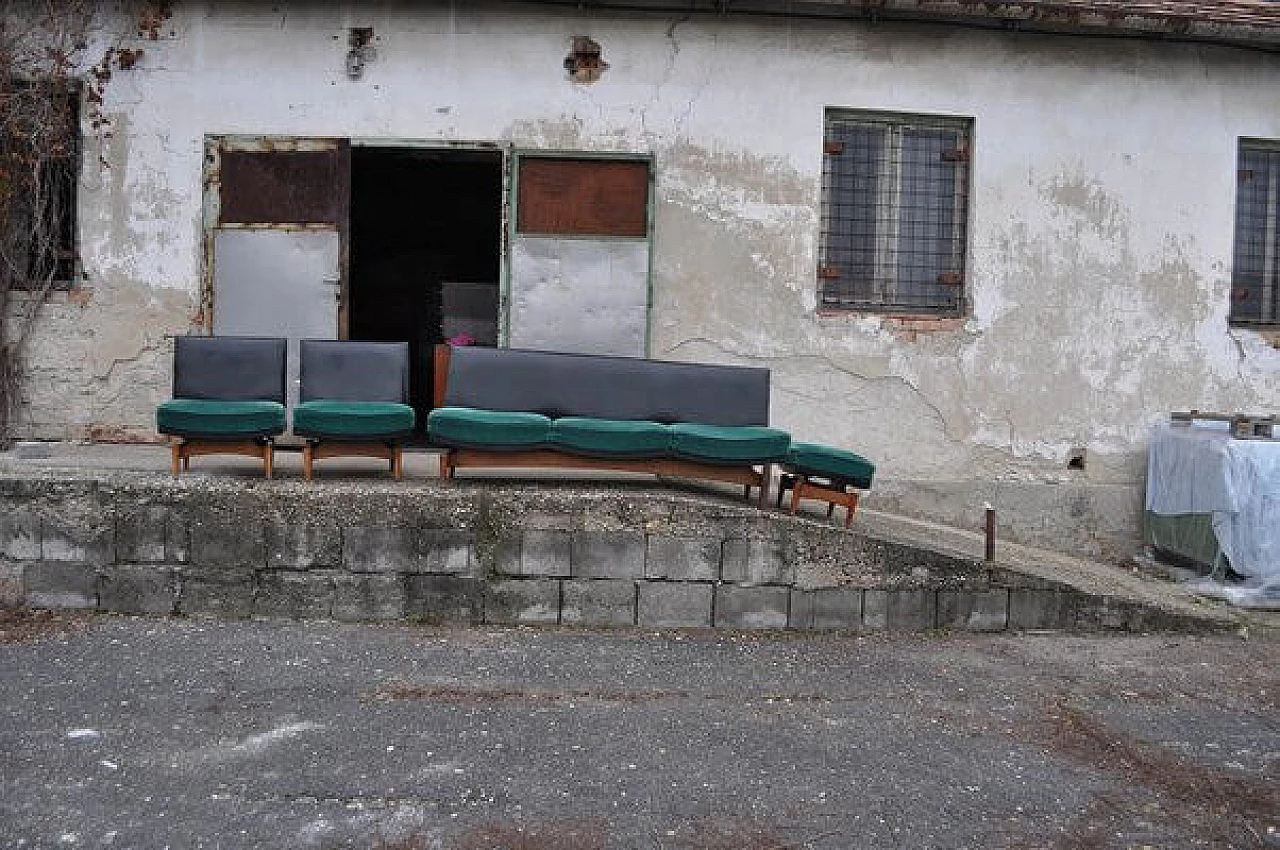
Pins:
x,y
50,90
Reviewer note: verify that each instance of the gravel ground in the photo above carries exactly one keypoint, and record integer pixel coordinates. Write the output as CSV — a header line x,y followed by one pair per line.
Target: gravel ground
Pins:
x,y
142,733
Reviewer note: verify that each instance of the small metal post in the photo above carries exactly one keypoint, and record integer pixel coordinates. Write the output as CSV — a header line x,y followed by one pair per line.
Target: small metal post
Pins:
x,y
991,532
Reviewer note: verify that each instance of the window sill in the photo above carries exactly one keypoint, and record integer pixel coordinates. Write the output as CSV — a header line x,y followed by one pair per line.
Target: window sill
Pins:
x,y
905,326
1270,333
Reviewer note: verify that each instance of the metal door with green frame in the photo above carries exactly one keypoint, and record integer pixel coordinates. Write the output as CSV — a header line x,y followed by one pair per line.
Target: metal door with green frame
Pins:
x,y
581,236
275,239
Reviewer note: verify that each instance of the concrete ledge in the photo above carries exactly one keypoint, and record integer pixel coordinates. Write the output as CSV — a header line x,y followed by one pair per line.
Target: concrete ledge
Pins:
x,y
485,552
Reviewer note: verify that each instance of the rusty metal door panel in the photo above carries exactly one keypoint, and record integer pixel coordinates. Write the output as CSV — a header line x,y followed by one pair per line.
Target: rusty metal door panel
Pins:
x,y
563,196
284,187
277,283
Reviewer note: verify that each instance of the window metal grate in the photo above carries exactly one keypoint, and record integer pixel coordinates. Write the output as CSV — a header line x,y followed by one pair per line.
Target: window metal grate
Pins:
x,y
1255,277
894,213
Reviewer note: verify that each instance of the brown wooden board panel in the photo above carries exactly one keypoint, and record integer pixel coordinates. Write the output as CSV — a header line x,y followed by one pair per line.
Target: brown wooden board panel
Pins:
x,y
583,197
283,187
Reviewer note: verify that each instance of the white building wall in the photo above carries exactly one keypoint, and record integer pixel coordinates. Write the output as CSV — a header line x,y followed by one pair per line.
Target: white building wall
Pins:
x,y
1101,213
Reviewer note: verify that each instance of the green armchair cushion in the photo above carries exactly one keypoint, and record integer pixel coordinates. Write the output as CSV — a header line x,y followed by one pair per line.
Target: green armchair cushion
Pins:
x,y
352,420
210,419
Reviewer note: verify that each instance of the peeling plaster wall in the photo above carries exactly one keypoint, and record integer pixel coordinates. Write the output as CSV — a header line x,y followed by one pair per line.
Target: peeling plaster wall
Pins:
x,y
1101,219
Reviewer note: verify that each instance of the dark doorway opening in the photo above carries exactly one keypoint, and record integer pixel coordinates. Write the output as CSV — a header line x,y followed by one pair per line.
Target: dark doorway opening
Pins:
x,y
425,245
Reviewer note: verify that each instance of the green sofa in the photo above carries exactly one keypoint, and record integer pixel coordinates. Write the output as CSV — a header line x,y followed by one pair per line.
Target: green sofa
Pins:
x,y
511,408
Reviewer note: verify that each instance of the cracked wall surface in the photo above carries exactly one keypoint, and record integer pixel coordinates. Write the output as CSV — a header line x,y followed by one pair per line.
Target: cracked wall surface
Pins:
x,y
1101,213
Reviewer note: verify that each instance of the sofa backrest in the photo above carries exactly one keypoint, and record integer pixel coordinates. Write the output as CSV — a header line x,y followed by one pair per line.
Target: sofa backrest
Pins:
x,y
606,387
229,368
350,370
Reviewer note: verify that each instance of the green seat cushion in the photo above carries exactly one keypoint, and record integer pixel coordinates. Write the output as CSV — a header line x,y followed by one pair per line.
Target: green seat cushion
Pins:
x,y
468,427
837,465
352,420
611,437
728,444
191,417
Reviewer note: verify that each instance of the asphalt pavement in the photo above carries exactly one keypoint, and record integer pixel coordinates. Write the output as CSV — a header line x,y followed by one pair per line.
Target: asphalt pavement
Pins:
x,y
151,733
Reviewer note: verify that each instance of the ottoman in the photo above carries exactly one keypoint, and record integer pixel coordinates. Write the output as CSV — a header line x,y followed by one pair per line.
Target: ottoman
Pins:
x,y
815,471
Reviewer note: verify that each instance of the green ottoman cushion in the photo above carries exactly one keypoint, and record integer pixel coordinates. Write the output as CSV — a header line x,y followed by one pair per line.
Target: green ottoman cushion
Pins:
x,y
192,417
836,465
468,427
611,437
352,420
728,444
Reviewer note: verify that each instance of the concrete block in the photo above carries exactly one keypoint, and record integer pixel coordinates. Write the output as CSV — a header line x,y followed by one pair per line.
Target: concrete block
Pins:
x,y
217,543
142,534
138,589
667,604
60,584
77,539
976,611
599,602
1098,613
607,554
682,558
293,595
522,601
303,545
828,608
12,594
755,562
20,534
899,610
544,553
445,551
379,549
359,597
221,592
1041,609
445,599
505,553
752,607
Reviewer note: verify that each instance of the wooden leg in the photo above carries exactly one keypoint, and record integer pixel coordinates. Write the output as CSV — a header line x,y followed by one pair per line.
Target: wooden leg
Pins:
x,y
795,493
268,458
176,450
308,458
186,463
831,509
766,473
746,492
850,508
397,461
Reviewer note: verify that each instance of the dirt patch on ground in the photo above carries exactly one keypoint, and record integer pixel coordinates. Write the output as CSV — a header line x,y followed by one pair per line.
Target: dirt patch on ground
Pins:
x,y
1168,794
564,835
20,625
482,695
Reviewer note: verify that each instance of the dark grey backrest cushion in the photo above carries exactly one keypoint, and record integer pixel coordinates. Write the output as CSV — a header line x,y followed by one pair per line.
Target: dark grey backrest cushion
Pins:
x,y
229,368
606,387
349,370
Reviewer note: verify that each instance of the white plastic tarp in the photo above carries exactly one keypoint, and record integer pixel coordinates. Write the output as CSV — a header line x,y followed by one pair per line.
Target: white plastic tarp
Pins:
x,y
1201,469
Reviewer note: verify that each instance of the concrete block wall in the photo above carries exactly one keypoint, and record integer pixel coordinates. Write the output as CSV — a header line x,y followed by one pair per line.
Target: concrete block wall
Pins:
x,y
446,554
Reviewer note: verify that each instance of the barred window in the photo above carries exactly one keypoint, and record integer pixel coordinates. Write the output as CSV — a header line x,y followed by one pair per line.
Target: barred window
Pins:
x,y
1255,276
895,192
39,167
